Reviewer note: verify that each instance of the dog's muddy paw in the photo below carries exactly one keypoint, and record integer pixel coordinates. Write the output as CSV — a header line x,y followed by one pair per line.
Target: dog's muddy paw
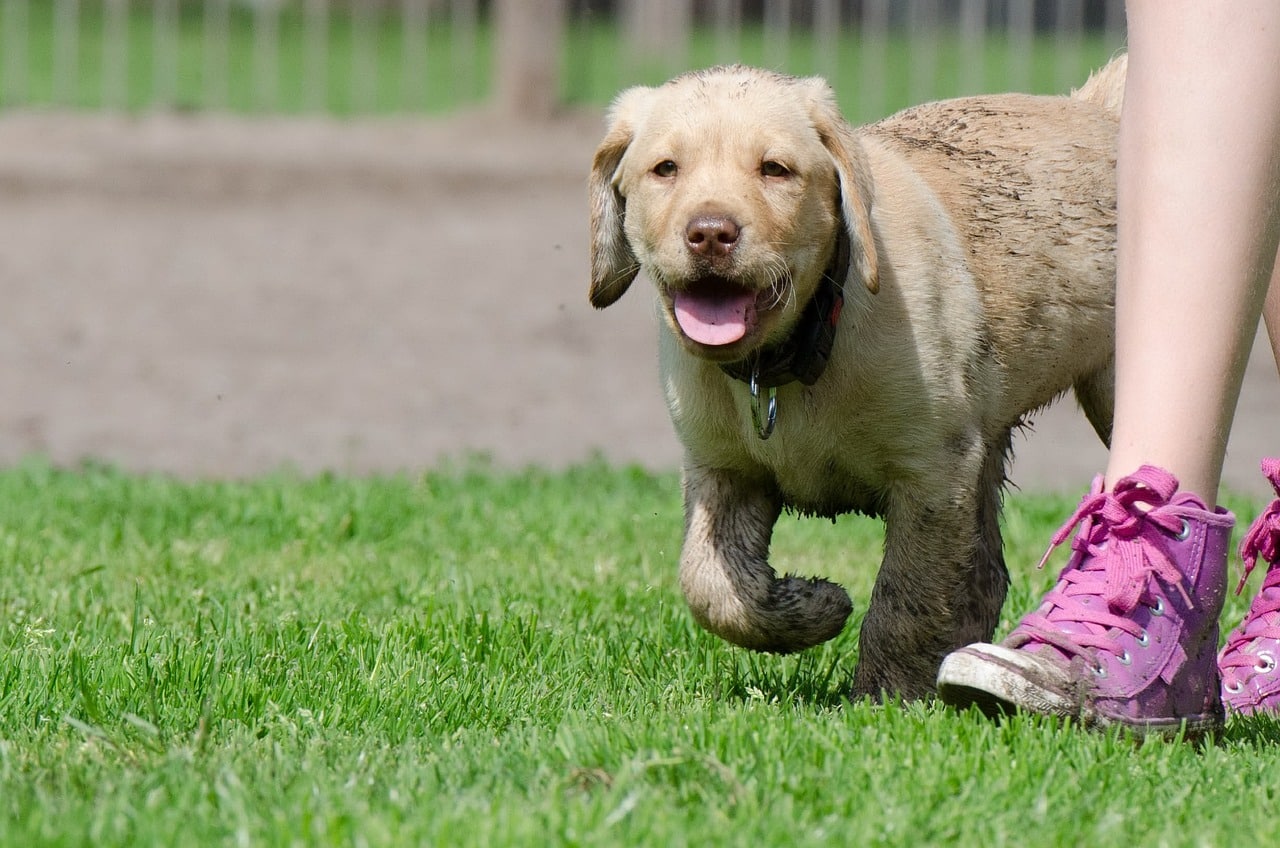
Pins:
x,y
887,682
801,612
762,612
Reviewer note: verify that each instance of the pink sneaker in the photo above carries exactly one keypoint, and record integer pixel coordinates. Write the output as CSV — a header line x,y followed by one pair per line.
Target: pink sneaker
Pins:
x,y
1128,634
1250,681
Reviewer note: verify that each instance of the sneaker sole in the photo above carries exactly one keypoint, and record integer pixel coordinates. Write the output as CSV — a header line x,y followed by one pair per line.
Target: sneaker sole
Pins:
x,y
999,681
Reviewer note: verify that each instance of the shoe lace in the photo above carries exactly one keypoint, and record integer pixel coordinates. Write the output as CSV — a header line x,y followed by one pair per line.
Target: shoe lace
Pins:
x,y
1261,542
1263,538
1116,556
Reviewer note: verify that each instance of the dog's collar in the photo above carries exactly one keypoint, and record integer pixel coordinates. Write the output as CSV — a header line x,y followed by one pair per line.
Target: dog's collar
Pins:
x,y
802,356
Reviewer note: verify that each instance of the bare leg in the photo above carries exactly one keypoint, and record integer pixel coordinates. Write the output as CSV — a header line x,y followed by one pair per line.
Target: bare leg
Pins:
x,y
1198,180
1271,312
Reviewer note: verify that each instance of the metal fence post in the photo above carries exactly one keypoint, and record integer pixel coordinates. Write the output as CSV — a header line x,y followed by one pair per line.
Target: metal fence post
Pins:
x,y
529,41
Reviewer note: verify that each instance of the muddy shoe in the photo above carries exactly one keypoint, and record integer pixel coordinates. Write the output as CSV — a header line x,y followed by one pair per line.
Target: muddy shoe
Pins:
x,y
1250,679
1129,633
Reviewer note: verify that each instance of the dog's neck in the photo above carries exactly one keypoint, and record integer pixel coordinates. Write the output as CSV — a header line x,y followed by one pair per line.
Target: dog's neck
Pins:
x,y
803,355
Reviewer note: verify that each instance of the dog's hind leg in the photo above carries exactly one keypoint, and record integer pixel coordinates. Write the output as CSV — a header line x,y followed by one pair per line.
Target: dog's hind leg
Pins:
x,y
728,583
1096,394
979,602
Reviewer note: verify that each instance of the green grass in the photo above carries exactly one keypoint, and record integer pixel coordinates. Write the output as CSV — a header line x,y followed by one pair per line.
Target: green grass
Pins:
x,y
871,78
251,70
477,657
368,68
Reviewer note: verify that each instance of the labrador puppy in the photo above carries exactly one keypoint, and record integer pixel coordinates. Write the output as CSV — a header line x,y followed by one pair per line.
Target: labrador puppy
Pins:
x,y
855,320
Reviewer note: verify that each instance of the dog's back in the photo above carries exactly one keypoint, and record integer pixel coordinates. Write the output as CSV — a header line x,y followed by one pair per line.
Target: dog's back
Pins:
x,y
1029,183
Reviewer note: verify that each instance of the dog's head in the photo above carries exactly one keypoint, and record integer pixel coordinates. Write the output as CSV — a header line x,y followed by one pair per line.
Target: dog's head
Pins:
x,y
729,187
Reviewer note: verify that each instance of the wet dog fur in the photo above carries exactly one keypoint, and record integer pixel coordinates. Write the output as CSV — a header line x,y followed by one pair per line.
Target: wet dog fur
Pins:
x,y
979,288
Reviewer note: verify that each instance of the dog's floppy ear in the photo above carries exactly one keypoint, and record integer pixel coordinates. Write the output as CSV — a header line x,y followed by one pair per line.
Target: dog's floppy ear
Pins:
x,y
856,188
613,264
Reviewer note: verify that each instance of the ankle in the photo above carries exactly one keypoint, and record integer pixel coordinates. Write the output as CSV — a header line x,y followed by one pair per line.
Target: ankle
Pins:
x,y
1200,483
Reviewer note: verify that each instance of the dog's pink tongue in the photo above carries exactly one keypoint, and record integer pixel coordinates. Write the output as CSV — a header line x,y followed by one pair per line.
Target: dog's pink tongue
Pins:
x,y
715,319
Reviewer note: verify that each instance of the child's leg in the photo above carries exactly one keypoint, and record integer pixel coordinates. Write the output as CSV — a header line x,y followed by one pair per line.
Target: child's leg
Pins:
x,y
1198,183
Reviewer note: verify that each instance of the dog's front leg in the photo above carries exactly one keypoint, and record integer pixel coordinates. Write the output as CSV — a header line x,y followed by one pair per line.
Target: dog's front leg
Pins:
x,y
920,607
725,573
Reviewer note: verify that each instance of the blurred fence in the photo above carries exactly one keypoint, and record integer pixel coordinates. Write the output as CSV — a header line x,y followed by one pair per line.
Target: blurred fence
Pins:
x,y
527,56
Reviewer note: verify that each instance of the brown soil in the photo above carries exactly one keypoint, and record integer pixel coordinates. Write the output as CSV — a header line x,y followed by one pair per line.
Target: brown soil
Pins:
x,y
219,296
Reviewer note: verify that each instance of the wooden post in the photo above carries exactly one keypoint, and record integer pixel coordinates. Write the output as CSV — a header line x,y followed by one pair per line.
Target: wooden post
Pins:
x,y
656,35
530,43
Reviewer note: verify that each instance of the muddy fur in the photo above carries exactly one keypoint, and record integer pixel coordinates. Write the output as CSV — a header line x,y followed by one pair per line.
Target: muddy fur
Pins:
x,y
980,288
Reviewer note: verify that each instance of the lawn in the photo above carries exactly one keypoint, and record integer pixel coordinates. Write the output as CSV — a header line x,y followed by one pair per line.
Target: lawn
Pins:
x,y
370,63
198,59
484,657
476,656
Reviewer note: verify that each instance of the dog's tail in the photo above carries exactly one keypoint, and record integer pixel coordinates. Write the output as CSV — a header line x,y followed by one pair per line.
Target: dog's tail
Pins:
x,y
1105,86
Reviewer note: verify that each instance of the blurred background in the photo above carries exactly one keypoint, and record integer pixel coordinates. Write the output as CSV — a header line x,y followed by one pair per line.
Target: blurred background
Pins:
x,y
350,235
362,57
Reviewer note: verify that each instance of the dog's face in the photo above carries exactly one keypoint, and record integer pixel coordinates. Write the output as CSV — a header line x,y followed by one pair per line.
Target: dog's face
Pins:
x,y
729,187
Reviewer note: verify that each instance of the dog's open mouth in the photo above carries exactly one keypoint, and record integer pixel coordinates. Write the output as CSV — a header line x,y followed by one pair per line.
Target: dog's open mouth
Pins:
x,y
715,311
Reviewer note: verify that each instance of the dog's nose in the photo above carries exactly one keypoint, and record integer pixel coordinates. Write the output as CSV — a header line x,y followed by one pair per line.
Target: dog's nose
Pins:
x,y
711,235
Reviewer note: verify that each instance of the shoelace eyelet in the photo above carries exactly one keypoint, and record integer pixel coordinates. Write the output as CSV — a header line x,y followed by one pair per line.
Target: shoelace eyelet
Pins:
x,y
1124,658
1158,609
1267,665
1100,670
1185,533
1144,640
1234,687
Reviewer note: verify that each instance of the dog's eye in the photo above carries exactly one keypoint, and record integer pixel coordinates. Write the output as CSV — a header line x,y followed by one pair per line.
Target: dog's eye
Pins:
x,y
770,168
666,168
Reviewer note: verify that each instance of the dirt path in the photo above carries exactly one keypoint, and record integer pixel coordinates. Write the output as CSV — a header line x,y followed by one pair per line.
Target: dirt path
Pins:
x,y
215,296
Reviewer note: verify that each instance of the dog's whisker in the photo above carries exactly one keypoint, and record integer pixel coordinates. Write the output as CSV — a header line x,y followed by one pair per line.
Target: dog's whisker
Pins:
x,y
623,276
781,288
